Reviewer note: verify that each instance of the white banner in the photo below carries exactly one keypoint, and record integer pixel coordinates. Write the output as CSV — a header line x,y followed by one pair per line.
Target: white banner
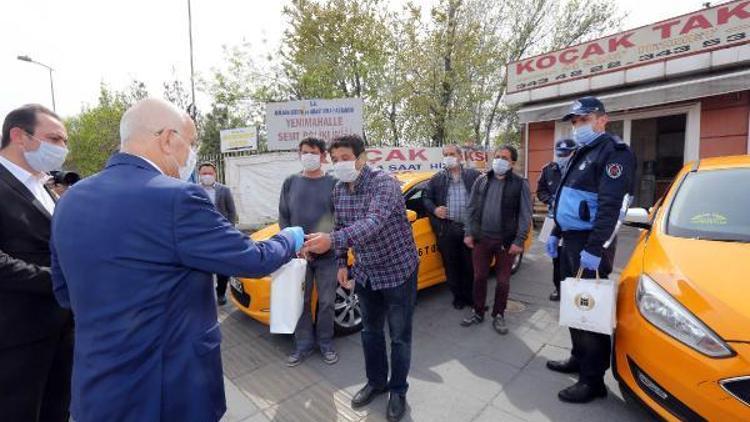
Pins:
x,y
705,30
239,139
256,180
290,122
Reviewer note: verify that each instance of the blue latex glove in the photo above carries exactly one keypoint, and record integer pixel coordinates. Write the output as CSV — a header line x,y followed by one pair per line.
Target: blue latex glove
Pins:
x,y
299,236
590,262
551,246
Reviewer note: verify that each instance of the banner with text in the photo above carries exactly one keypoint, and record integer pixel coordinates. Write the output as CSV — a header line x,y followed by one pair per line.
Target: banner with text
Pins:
x,y
290,122
239,139
705,30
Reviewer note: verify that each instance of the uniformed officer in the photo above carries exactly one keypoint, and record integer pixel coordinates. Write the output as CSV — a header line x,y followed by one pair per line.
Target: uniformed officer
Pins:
x,y
587,209
546,188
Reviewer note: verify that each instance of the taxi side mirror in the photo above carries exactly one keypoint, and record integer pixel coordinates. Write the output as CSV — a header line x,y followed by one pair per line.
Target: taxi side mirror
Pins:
x,y
638,218
411,216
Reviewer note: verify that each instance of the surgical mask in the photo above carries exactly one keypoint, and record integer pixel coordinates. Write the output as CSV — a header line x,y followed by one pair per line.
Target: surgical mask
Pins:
x,y
346,171
450,161
584,134
208,179
310,162
47,157
187,170
500,166
562,161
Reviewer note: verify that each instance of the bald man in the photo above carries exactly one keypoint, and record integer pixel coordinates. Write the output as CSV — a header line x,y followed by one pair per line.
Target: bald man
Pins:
x,y
133,250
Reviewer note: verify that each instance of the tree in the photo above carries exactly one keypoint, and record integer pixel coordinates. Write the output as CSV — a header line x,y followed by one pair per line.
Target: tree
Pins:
x,y
95,131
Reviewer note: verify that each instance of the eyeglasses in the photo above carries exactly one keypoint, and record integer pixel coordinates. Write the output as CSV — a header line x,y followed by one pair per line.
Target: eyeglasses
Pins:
x,y
54,139
194,144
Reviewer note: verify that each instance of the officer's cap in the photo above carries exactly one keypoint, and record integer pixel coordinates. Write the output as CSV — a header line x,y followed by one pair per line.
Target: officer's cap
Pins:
x,y
584,106
565,145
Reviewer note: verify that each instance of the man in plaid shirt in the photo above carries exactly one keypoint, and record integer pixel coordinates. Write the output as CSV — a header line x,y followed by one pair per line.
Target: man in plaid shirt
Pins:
x,y
371,218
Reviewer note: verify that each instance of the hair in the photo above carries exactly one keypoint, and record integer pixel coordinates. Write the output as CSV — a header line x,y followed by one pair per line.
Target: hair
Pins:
x,y
510,148
458,148
313,143
207,164
24,118
148,116
354,142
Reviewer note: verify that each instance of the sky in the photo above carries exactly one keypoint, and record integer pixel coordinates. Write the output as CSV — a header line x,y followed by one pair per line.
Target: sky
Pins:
x,y
88,42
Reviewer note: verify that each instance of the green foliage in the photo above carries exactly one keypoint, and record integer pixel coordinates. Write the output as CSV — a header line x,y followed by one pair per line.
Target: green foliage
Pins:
x,y
95,132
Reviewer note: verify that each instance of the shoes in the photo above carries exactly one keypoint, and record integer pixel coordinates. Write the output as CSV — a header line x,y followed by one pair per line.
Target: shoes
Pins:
x,y
330,357
473,319
498,323
555,296
582,393
569,366
396,407
221,300
366,395
296,358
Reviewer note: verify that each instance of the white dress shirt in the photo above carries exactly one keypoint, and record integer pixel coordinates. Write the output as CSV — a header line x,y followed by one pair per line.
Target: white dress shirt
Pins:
x,y
33,182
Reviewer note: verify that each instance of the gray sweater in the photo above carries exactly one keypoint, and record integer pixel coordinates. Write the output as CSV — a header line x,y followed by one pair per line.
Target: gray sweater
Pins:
x,y
307,202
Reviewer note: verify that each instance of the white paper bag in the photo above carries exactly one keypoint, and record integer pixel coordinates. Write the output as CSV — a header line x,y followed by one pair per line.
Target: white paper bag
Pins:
x,y
547,227
588,304
287,296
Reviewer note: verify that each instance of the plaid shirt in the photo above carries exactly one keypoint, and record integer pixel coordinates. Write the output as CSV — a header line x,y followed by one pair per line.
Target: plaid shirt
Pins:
x,y
457,199
372,220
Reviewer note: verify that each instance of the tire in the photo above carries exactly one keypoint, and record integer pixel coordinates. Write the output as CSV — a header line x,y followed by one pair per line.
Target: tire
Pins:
x,y
516,263
347,317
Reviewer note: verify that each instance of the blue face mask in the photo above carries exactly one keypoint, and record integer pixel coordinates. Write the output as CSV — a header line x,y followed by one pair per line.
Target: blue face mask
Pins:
x,y
584,134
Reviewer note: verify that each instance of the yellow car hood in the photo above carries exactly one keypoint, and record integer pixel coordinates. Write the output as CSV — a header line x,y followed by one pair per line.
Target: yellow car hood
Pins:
x,y
710,278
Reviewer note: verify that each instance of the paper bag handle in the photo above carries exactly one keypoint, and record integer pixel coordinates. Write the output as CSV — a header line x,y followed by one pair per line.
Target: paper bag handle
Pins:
x,y
580,274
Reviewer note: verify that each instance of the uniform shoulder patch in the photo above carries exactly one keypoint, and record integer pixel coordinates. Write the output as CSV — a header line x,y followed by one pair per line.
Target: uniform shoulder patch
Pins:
x,y
614,170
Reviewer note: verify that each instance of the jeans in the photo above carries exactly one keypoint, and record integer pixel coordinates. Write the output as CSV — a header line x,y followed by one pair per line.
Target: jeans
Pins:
x,y
591,350
322,271
395,304
484,250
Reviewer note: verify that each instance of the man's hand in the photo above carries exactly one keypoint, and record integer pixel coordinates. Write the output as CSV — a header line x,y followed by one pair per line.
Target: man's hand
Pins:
x,y
551,246
515,249
318,243
441,212
299,237
343,278
589,261
469,242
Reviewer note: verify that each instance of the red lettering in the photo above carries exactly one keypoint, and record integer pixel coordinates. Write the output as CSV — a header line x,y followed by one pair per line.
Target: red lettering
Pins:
x,y
566,58
666,28
377,153
417,153
545,62
695,22
623,41
592,49
395,154
524,67
724,13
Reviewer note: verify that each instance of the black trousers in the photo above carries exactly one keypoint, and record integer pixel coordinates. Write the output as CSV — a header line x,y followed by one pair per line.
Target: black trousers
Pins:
x,y
35,379
221,285
591,350
556,275
457,261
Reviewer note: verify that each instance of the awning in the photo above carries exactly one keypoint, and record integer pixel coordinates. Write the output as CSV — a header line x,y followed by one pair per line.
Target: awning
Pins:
x,y
647,96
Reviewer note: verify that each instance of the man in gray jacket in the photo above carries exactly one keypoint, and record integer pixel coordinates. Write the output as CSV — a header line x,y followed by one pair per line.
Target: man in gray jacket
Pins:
x,y
221,196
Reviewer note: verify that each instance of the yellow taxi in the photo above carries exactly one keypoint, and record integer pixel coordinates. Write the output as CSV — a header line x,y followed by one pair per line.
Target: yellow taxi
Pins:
x,y
253,296
682,343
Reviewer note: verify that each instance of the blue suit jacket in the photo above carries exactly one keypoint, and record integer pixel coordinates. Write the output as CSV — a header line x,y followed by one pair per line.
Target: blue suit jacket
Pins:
x,y
133,252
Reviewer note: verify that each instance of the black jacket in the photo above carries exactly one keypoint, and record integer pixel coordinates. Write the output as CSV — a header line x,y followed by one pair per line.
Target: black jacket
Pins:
x,y
28,309
436,193
548,183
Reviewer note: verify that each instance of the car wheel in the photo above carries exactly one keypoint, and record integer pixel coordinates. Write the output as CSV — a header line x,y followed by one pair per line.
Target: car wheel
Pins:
x,y
516,263
347,317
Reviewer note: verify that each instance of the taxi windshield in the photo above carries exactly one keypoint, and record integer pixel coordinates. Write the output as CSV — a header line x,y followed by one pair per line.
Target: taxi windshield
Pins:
x,y
712,205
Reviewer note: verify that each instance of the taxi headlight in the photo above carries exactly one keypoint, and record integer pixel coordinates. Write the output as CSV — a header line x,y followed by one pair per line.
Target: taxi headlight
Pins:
x,y
663,311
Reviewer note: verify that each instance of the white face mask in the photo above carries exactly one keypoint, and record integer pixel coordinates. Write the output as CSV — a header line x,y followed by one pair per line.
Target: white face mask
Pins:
x,y
562,161
208,179
346,171
187,170
500,166
47,157
450,161
310,162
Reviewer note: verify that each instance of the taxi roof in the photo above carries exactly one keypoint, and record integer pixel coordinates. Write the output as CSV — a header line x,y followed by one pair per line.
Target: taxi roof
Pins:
x,y
726,162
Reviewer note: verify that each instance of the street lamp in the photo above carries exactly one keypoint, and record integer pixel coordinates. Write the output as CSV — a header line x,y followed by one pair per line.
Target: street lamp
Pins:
x,y
51,84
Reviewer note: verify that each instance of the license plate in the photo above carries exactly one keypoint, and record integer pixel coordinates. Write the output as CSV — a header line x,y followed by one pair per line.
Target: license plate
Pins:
x,y
236,285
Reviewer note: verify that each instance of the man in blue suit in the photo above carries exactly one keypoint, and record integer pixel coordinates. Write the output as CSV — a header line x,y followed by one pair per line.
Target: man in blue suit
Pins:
x,y
133,250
